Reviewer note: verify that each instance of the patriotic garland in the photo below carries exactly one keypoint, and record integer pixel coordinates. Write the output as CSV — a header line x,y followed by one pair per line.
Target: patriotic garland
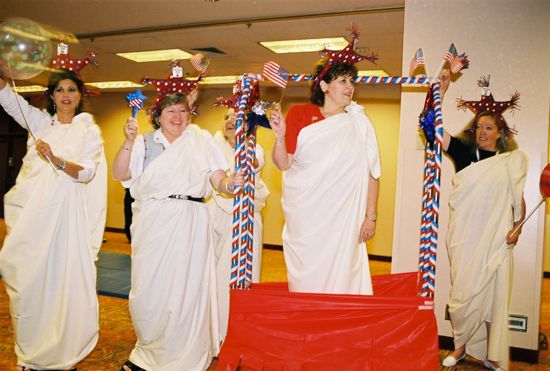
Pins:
x,y
429,228
243,201
389,80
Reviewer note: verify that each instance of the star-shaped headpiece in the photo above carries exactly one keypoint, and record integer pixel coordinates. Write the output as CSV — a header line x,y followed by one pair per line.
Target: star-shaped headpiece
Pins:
x,y
64,60
348,55
487,102
175,83
233,102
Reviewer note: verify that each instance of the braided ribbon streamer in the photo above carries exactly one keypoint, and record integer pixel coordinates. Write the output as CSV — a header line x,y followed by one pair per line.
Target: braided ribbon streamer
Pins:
x,y
394,80
429,228
243,201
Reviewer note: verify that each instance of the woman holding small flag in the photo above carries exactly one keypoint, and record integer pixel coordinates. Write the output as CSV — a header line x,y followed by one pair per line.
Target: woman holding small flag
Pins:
x,y
329,154
173,296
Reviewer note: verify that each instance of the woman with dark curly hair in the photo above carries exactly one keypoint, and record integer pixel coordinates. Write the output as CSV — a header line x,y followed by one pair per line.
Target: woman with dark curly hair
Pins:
x,y
329,154
55,220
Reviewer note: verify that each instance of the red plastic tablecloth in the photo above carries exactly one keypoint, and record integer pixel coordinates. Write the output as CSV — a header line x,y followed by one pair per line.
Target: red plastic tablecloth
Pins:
x,y
272,329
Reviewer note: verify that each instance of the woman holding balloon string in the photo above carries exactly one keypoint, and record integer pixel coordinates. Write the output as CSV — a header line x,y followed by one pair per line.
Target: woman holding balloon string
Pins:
x,y
486,206
55,216
173,297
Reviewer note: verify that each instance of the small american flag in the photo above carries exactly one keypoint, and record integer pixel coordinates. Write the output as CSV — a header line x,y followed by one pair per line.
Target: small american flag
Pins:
x,y
274,73
418,60
451,53
459,63
200,62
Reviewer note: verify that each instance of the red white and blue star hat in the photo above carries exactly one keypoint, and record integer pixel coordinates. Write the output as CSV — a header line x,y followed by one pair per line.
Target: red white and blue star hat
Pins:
x,y
63,60
175,83
488,104
348,55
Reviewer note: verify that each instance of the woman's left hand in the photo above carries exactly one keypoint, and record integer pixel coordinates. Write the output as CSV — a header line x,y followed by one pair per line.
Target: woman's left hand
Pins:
x,y
367,230
44,150
512,238
236,179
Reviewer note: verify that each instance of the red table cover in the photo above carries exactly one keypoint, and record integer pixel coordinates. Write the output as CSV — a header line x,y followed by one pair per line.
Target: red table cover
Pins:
x,y
273,329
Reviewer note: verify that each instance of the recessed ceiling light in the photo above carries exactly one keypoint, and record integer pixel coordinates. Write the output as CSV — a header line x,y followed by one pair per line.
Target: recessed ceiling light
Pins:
x,y
155,55
305,45
114,84
211,80
376,73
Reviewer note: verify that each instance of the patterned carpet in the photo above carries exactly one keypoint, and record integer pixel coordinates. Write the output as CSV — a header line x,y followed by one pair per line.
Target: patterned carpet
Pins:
x,y
117,337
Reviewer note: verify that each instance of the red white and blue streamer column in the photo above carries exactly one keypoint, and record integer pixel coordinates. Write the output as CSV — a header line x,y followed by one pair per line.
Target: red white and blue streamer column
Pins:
x,y
427,200
429,264
251,185
243,201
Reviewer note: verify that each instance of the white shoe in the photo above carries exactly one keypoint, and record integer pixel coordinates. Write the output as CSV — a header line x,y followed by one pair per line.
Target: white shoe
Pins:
x,y
490,366
451,361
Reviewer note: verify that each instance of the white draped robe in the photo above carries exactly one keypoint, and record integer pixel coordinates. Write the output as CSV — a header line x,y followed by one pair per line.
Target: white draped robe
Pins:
x,y
173,290
325,201
55,229
485,201
221,212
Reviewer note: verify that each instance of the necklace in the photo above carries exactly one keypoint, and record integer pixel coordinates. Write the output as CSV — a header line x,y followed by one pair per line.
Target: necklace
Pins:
x,y
477,153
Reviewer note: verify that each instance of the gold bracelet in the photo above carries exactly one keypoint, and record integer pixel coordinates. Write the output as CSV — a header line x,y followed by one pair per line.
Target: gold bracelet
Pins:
x,y
371,219
227,186
278,141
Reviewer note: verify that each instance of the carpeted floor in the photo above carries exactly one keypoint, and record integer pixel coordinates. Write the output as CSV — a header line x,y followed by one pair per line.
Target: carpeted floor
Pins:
x,y
117,337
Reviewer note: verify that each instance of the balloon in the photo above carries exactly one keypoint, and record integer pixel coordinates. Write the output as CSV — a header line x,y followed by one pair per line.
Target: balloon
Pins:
x,y
25,51
545,182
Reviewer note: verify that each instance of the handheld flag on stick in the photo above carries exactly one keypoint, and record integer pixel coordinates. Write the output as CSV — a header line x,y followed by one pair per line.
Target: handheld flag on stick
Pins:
x,y
460,63
277,75
448,57
274,73
135,100
199,62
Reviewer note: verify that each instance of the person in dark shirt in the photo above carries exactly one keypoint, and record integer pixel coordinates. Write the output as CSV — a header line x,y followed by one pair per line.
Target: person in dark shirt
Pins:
x,y
486,204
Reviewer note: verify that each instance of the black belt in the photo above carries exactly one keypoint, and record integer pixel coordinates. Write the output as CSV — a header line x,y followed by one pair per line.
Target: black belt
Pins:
x,y
190,198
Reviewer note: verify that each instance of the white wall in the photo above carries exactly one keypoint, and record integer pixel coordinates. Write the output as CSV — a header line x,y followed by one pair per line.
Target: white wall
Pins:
x,y
508,39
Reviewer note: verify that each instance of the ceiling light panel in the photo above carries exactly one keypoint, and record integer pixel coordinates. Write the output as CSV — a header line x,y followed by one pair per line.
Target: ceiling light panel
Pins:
x,y
156,55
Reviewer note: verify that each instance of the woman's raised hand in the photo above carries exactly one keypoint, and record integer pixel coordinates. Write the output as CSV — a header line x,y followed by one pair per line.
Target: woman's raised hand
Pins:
x,y
445,79
277,123
131,129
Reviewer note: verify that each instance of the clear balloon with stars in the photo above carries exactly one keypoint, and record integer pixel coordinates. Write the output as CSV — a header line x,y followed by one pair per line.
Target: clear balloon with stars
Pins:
x,y
25,49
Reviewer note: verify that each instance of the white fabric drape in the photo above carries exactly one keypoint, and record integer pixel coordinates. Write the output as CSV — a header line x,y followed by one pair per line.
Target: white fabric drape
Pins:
x,y
55,228
220,208
173,293
324,202
484,203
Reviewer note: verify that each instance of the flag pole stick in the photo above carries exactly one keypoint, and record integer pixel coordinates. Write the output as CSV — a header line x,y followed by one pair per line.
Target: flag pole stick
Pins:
x,y
440,69
282,95
28,127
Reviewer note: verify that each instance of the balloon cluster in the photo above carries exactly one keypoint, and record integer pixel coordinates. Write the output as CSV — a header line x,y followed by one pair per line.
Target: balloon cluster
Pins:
x,y
25,49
